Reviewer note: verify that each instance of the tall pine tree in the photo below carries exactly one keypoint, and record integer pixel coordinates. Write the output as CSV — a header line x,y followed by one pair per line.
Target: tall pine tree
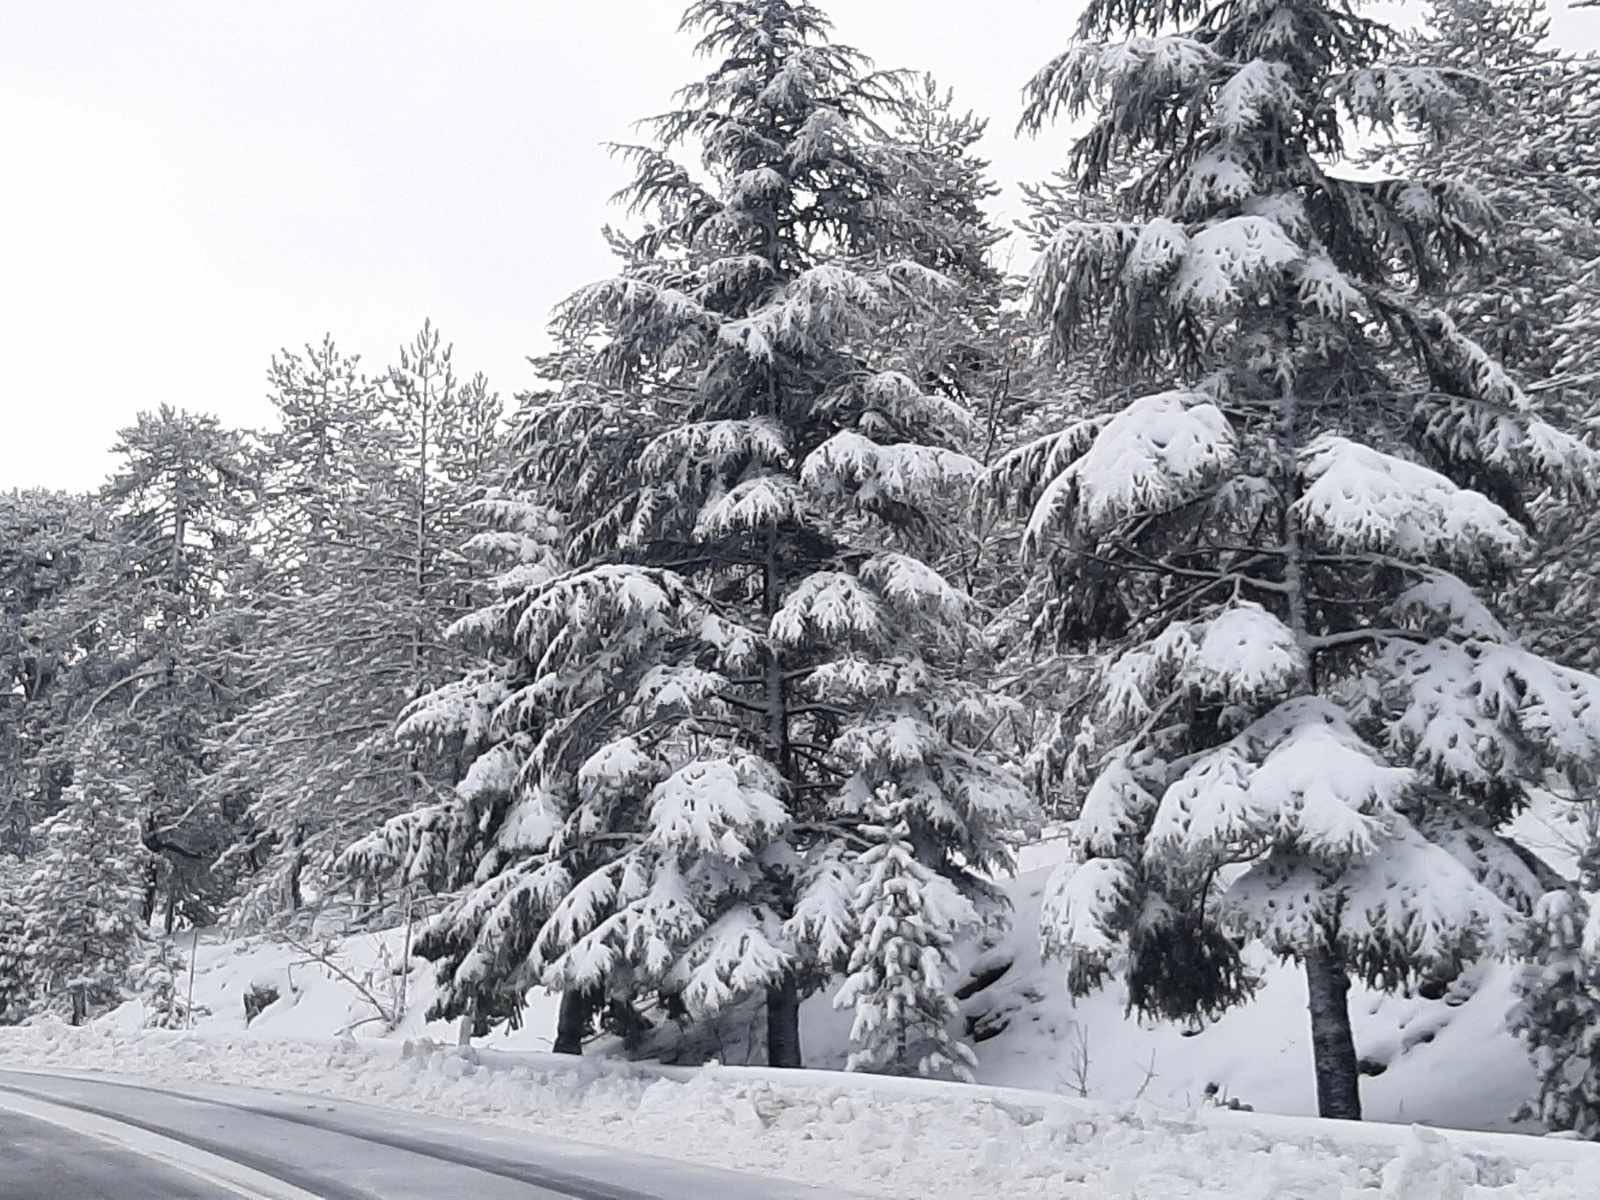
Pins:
x,y
370,483
148,634
82,929
1312,724
45,539
760,480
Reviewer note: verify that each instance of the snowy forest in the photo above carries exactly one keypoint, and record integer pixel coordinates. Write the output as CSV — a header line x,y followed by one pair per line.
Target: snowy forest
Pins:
x,y
1231,518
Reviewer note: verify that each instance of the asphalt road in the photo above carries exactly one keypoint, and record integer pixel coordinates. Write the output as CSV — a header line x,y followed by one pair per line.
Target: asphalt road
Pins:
x,y
40,1160
86,1137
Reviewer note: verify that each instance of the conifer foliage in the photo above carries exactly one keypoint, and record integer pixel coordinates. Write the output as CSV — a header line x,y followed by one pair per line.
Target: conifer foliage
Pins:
x,y
146,635
80,904
1558,1003
896,980
1312,726
754,634
44,542
1534,302
367,505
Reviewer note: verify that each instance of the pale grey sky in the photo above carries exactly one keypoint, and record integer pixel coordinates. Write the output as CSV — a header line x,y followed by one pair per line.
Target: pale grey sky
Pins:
x,y
191,184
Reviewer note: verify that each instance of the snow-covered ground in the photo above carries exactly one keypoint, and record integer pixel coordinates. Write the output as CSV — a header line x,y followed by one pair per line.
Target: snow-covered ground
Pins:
x,y
1445,1062
1080,1099
862,1134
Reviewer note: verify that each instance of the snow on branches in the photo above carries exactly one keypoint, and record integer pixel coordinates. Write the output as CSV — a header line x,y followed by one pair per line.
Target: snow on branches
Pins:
x,y
896,978
764,472
1358,498
1154,455
1314,728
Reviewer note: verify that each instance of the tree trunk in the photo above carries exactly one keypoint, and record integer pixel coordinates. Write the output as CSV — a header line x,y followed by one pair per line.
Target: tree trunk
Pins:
x,y
152,890
297,899
783,1024
1333,1046
297,868
572,1022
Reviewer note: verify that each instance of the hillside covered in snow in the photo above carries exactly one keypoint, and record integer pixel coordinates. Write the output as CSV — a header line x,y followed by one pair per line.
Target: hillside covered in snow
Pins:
x,y
1446,1062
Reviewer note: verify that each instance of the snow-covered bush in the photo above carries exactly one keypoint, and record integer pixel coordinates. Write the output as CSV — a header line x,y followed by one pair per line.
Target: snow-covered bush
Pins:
x,y
162,989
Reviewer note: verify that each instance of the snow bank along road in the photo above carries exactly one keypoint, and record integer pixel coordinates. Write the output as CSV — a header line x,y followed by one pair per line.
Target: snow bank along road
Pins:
x,y
84,1137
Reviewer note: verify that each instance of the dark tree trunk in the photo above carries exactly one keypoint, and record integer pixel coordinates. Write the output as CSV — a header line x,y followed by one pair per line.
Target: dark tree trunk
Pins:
x,y
296,868
783,1024
572,1022
152,889
1333,1046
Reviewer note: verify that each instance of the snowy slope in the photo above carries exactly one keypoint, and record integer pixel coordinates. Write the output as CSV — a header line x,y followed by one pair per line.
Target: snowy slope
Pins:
x,y
1075,1100
321,995
1444,1062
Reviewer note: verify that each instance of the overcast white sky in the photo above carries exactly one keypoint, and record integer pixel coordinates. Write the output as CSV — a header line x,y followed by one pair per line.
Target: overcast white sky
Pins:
x,y
191,184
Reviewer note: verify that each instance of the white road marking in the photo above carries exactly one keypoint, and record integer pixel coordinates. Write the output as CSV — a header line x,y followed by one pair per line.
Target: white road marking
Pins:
x,y
243,1181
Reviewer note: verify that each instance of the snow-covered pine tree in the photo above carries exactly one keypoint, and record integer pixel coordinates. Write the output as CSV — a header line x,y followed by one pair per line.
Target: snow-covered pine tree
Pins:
x,y
1532,152
1535,301
1312,725
1558,1002
751,637
279,756
896,977
487,826
44,540
371,481
1051,678
162,988
81,903
16,981
147,636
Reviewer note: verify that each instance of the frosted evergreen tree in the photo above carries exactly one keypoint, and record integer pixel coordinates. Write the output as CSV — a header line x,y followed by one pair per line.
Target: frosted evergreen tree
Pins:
x,y
1312,726
486,827
81,903
148,636
1536,304
1051,678
16,990
896,980
162,987
1532,151
751,637
44,541
1535,301
1558,1002
278,758
371,480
